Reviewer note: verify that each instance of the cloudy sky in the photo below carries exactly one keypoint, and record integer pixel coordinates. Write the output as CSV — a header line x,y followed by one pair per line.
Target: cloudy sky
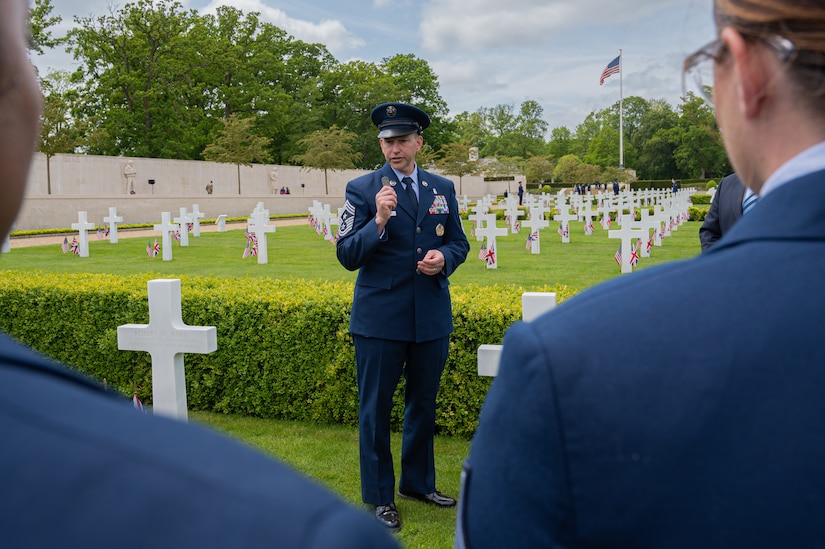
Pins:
x,y
490,52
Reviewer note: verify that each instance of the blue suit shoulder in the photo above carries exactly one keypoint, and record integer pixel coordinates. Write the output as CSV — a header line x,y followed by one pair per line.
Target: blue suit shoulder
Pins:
x,y
144,473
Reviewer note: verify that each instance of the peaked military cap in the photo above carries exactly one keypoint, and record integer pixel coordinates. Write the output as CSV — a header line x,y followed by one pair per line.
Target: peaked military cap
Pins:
x,y
396,119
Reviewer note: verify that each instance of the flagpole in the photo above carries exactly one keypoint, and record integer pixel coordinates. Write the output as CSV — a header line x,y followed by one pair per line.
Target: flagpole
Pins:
x,y
621,114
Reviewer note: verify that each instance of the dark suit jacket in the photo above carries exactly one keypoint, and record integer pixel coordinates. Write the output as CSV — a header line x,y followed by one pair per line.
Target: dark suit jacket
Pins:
x,y
676,427
81,468
725,210
391,300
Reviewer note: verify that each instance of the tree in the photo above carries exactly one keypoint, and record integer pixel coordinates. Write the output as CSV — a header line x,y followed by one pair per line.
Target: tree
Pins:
x,y
538,169
58,132
331,149
699,150
471,130
561,142
40,20
355,88
137,67
236,143
455,160
565,169
654,158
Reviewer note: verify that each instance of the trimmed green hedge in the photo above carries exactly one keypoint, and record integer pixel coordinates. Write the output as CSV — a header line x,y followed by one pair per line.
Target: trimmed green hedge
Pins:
x,y
284,349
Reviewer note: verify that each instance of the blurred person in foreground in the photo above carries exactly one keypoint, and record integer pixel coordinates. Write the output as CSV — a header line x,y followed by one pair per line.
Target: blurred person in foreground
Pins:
x,y
706,432
82,468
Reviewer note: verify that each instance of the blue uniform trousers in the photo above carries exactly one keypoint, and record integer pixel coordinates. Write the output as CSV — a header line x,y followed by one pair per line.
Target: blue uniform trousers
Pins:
x,y
379,366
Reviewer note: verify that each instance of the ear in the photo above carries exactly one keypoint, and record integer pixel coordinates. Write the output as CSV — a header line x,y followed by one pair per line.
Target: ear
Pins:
x,y
751,74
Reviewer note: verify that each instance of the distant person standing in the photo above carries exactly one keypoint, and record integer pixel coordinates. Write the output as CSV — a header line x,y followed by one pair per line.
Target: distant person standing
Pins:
x,y
615,186
401,316
674,185
520,194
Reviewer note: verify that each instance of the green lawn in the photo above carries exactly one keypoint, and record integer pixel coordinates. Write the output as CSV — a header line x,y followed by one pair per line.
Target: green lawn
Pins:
x,y
329,453
297,252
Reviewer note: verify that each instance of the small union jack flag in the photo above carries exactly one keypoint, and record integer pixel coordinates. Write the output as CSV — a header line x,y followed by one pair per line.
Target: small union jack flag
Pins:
x,y
490,255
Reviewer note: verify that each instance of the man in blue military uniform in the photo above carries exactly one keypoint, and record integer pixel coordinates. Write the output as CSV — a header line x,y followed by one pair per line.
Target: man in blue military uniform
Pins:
x,y
400,227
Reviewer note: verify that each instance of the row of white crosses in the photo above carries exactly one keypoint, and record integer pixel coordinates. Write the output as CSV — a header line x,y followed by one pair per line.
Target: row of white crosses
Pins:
x,y
83,226
322,218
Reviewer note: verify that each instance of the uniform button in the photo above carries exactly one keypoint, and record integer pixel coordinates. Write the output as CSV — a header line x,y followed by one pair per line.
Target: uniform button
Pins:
x,y
418,250
417,230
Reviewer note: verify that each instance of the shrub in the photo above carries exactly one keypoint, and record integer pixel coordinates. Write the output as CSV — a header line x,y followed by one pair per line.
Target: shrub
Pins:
x,y
284,349
697,214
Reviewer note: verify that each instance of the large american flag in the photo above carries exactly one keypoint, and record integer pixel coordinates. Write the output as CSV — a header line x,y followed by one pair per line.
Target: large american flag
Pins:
x,y
612,68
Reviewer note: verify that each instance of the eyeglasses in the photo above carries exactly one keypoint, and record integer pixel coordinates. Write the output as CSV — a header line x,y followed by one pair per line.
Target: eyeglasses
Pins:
x,y
697,70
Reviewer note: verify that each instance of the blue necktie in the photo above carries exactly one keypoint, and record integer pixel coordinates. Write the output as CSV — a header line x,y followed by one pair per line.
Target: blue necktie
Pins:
x,y
408,182
749,202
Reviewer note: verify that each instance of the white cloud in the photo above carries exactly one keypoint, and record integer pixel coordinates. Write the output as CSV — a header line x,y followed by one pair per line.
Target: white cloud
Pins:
x,y
472,25
330,32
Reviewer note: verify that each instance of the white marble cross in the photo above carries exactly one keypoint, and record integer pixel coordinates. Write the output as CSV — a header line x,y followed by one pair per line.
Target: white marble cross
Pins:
x,y
490,232
314,210
476,217
113,219
258,226
83,226
646,223
627,233
166,229
196,217
564,217
535,224
533,305
605,210
325,217
512,212
587,214
184,221
166,338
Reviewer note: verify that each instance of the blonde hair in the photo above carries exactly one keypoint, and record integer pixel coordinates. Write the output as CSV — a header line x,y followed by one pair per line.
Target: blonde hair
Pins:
x,y
800,21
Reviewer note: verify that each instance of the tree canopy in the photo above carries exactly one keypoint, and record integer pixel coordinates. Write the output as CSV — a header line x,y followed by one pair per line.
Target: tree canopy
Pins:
x,y
157,80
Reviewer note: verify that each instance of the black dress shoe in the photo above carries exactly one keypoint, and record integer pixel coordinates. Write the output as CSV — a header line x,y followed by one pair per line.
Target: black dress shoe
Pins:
x,y
388,516
436,498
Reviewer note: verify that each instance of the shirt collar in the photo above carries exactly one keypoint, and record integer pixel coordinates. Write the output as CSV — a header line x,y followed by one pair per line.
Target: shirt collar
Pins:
x,y
413,175
808,161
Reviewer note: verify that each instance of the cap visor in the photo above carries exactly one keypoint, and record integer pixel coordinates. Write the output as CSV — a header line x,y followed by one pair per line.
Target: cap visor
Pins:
x,y
395,132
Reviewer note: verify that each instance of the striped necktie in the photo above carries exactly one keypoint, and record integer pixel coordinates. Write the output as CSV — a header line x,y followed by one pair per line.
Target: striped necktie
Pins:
x,y
408,182
749,202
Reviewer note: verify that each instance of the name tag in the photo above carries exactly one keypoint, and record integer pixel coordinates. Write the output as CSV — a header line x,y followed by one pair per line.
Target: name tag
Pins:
x,y
439,205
